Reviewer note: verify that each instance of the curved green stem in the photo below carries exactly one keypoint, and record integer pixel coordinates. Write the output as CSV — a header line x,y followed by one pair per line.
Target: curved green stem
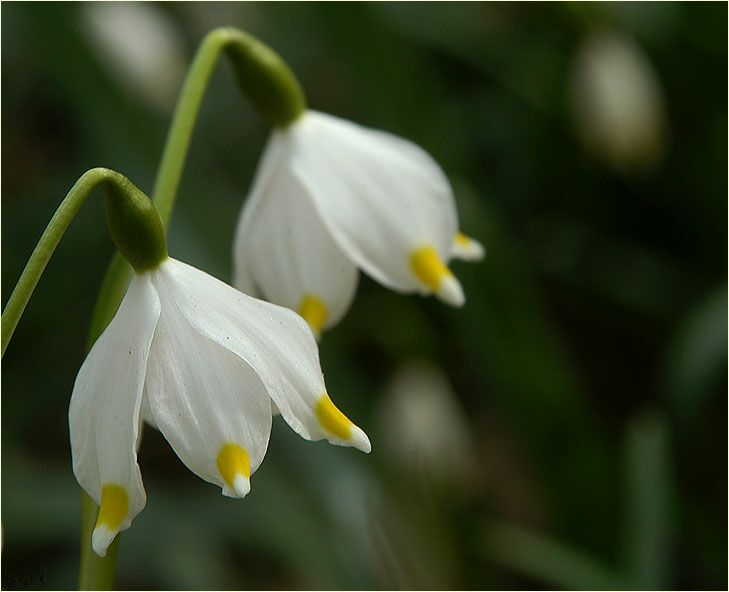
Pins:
x,y
137,230
183,123
277,96
274,92
263,77
48,242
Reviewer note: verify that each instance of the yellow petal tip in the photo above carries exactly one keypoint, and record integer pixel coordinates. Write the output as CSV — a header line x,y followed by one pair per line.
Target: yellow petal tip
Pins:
x,y
112,513
467,248
314,311
114,506
450,291
334,422
234,466
429,268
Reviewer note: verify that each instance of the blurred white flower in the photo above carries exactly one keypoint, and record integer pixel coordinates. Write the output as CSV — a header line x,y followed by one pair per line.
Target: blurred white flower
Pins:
x,y
618,102
423,426
331,197
139,46
201,362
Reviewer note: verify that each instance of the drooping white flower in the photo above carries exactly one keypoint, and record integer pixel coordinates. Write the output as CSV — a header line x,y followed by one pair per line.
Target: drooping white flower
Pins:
x,y
331,197
140,46
618,101
201,362
424,429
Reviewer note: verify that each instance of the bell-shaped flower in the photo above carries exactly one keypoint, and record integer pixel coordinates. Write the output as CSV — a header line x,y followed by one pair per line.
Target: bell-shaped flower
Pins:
x,y
331,197
201,362
618,102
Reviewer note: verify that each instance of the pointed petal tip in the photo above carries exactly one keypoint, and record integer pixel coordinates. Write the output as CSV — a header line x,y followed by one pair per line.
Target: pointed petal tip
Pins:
x,y
360,441
357,439
450,291
338,429
468,249
241,487
101,538
475,252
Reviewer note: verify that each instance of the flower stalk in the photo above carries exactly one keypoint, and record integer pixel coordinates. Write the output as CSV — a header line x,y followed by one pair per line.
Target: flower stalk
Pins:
x,y
262,76
277,96
132,223
137,232
266,81
97,573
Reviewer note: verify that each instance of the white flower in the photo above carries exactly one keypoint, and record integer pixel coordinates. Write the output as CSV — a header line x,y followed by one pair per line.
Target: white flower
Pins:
x,y
140,46
330,197
618,102
201,362
424,428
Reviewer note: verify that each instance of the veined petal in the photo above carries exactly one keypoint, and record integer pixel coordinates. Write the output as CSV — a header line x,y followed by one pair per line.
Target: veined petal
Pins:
x,y
146,412
248,218
276,342
104,413
467,248
380,196
292,258
208,403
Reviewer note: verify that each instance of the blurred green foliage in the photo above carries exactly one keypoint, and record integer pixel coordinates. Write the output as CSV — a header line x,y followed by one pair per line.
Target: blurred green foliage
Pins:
x,y
590,359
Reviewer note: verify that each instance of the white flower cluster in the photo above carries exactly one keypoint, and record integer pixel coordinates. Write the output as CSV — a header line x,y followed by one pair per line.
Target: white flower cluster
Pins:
x,y
205,363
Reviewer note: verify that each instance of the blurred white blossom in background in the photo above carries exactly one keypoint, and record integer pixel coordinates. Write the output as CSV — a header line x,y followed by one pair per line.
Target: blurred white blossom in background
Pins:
x,y
618,102
424,430
139,46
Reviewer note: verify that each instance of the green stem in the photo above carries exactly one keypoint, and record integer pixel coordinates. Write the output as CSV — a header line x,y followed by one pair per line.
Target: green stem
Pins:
x,y
263,77
136,229
274,92
97,573
277,96
48,242
183,124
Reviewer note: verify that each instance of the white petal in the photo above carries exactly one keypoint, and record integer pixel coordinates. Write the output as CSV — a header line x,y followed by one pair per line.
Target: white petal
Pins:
x,y
467,248
149,64
292,258
104,412
208,403
270,160
451,292
146,412
380,196
274,341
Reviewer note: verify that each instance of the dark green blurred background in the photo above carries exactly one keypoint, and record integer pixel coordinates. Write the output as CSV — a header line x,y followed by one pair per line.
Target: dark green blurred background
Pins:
x,y
566,429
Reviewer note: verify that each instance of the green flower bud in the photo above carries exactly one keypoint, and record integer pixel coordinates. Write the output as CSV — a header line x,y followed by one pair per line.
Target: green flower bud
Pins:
x,y
134,224
264,78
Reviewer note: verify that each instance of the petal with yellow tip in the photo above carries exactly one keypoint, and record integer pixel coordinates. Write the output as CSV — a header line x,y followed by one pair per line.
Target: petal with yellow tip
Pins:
x,y
104,414
377,194
314,312
283,248
467,248
112,513
208,403
235,467
339,427
274,341
430,270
